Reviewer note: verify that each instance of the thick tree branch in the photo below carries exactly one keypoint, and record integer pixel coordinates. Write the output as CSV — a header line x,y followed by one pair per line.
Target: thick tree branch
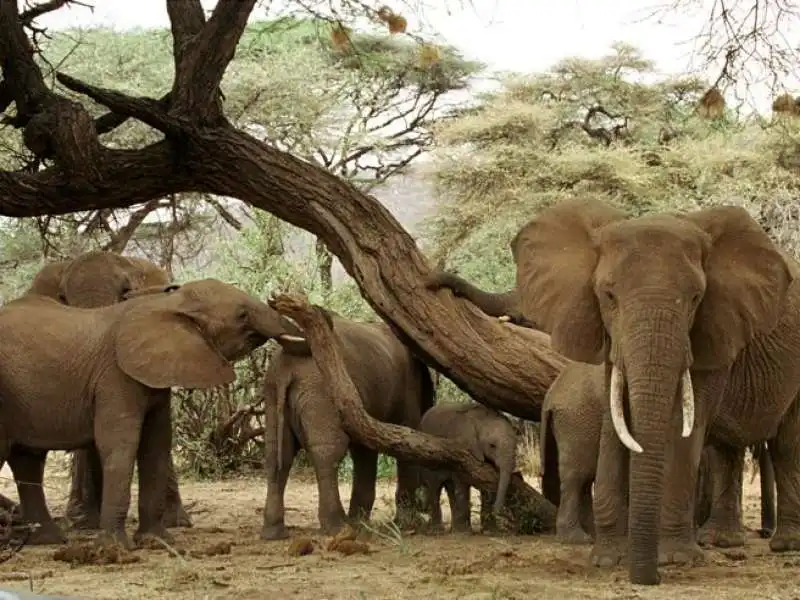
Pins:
x,y
203,60
111,120
401,442
147,110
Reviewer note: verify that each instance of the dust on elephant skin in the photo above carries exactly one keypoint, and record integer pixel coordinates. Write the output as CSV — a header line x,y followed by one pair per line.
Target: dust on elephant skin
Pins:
x,y
491,438
72,377
394,386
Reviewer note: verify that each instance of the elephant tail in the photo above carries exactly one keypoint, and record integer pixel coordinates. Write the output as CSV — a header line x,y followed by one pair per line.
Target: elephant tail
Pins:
x,y
548,459
282,386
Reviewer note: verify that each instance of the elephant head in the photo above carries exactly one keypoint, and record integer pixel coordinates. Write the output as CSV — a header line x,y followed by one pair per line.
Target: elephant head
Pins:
x,y
190,336
493,438
96,278
655,298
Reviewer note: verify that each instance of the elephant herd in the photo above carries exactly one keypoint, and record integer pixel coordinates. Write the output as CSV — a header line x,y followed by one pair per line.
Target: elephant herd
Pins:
x,y
683,329
97,342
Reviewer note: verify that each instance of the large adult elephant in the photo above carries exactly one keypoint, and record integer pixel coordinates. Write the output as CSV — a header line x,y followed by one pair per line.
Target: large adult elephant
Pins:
x,y
685,311
395,387
91,280
72,377
572,417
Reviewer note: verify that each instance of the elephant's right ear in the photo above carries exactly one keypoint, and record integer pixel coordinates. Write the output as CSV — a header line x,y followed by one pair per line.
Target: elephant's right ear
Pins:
x,y
556,258
162,347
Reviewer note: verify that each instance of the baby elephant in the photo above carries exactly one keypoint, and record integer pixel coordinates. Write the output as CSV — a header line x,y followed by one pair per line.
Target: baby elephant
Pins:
x,y
490,437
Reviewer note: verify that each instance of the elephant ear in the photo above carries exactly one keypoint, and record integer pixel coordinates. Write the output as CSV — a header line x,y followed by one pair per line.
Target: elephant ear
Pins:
x,y
747,280
556,258
162,347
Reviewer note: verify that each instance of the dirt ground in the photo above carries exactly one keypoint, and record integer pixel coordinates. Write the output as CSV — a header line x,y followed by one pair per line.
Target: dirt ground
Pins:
x,y
227,519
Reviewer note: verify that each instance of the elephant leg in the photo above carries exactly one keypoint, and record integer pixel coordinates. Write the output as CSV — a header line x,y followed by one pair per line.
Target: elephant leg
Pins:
x,y
724,527
326,458
153,459
460,506
405,495
365,473
677,540
488,518
784,450
175,514
83,507
610,500
117,448
568,518
28,470
766,475
274,527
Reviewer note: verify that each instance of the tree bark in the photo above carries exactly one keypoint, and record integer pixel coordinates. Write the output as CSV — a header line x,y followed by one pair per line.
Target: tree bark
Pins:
x,y
506,367
399,441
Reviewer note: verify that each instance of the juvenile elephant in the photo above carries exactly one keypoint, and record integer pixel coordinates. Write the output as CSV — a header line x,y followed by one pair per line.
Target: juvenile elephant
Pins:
x,y
91,280
490,437
74,377
696,318
572,418
394,386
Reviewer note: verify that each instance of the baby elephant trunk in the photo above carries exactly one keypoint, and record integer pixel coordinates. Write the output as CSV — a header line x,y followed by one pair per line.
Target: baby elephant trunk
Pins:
x,y
505,466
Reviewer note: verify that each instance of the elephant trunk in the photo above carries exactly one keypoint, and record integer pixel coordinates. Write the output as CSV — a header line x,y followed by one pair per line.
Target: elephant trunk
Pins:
x,y
654,356
502,488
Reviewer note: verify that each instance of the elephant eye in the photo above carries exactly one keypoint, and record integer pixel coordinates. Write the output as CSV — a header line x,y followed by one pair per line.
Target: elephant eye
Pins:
x,y
610,296
242,315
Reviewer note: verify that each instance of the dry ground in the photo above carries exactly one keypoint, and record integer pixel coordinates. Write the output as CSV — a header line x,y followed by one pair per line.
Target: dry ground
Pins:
x,y
411,566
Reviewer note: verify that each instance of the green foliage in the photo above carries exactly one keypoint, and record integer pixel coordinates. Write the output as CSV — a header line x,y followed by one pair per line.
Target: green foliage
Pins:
x,y
535,143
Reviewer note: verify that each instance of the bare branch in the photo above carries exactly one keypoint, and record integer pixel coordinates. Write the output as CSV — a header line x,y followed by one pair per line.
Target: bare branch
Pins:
x,y
28,16
146,110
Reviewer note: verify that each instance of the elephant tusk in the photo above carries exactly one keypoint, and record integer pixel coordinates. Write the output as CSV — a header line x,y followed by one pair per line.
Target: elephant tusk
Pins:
x,y
504,319
287,337
617,413
687,403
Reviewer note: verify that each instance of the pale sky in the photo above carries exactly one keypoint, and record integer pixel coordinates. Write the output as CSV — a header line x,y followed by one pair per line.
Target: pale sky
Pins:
x,y
516,35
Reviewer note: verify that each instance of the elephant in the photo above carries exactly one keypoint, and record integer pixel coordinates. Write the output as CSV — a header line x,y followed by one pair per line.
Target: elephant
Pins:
x,y
395,387
572,417
90,280
696,318
490,437
73,377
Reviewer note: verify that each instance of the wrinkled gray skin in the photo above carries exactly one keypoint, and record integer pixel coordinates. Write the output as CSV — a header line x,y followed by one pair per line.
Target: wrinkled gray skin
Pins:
x,y
394,386
572,417
491,438
691,314
91,280
72,377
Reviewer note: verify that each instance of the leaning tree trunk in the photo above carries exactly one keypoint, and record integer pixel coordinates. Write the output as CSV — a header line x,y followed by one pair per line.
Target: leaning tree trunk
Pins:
x,y
505,367
400,441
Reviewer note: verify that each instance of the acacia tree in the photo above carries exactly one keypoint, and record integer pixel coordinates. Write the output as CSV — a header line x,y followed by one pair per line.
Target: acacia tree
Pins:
x,y
200,150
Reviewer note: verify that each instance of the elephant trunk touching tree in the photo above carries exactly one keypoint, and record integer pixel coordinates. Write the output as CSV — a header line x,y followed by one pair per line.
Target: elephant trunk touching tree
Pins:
x,y
92,280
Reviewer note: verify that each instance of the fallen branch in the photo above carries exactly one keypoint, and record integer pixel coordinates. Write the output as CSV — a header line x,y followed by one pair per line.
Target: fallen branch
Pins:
x,y
401,442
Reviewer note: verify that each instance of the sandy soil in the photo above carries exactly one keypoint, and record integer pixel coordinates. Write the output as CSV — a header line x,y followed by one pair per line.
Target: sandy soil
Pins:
x,y
228,516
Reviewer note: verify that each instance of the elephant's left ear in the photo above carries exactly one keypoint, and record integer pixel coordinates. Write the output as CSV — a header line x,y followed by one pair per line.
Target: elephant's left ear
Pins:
x,y
162,348
747,281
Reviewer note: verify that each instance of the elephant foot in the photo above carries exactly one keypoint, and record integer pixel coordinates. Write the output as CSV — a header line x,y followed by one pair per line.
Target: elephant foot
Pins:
x,y
765,533
461,528
332,526
678,552
572,535
176,518
114,539
274,532
152,537
46,534
609,553
785,540
721,537
84,521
